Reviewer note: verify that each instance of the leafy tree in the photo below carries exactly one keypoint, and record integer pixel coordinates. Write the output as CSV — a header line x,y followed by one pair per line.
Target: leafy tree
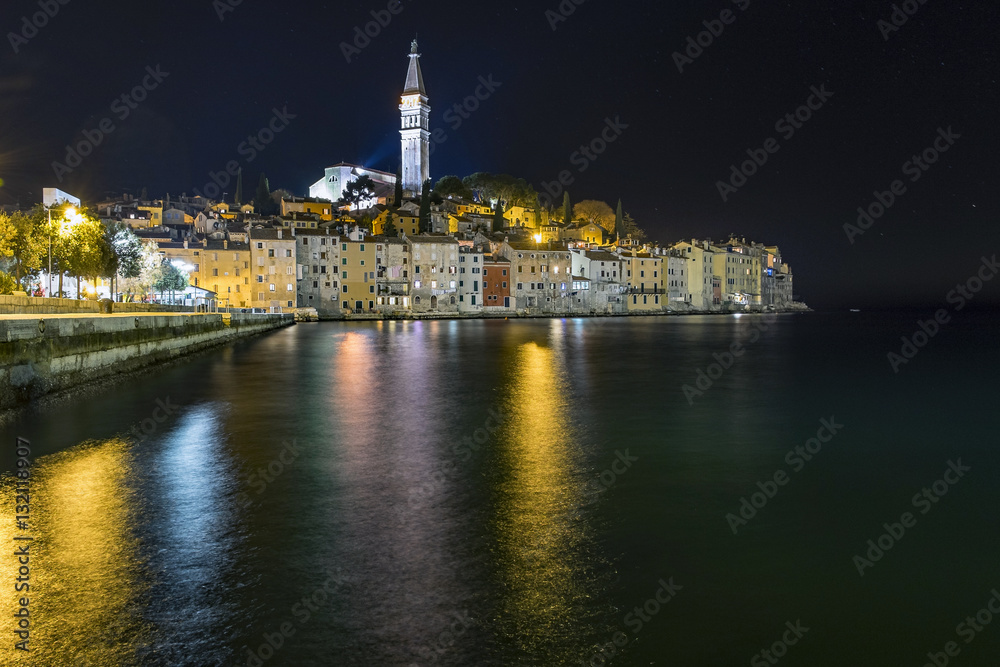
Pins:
x,y
397,194
486,187
390,225
425,207
168,278
7,283
567,209
149,265
452,185
87,251
498,219
24,242
632,229
595,212
359,190
619,225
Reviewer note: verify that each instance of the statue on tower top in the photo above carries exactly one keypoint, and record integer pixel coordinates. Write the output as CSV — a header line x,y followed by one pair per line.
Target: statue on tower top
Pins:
x,y
413,46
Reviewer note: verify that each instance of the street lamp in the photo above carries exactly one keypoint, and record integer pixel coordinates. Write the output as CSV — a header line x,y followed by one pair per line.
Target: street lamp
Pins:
x,y
74,217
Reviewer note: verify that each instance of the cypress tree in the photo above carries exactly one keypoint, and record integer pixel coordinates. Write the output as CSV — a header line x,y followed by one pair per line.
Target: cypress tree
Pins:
x,y
398,195
390,226
619,224
238,199
425,207
567,209
498,220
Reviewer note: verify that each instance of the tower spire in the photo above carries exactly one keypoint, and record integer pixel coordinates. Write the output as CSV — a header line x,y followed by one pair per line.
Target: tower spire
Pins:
x,y
415,130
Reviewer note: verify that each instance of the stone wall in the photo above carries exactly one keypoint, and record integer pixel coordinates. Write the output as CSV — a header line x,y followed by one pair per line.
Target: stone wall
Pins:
x,y
41,355
31,305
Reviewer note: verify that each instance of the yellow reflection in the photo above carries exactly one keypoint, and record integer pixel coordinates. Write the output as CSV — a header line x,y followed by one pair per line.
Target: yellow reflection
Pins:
x,y
84,564
539,530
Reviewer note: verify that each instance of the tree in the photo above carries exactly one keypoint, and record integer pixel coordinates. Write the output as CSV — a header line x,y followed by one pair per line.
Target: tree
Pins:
x,y
595,212
619,228
262,201
489,188
23,242
129,252
7,283
238,197
452,185
632,229
498,219
87,251
398,193
390,225
149,264
359,190
425,207
168,278
567,209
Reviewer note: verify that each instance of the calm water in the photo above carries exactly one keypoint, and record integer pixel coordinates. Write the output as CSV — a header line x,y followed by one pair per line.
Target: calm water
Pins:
x,y
457,493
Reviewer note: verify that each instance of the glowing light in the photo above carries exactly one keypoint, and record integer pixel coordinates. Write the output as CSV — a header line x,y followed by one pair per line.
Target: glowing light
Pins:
x,y
538,238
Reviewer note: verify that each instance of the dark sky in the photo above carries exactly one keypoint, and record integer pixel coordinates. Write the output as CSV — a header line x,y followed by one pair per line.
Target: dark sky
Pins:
x,y
557,87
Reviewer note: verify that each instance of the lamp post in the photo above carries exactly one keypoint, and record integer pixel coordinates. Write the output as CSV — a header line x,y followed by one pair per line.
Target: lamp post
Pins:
x,y
49,210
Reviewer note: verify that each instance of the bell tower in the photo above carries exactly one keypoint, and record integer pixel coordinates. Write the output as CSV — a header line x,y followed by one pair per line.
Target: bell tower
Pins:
x,y
415,132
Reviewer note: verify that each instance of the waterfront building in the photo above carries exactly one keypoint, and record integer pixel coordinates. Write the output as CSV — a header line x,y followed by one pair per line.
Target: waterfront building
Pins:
x,y
605,287
699,272
323,208
470,279
496,284
218,265
393,275
358,274
541,276
317,258
272,253
434,283
646,281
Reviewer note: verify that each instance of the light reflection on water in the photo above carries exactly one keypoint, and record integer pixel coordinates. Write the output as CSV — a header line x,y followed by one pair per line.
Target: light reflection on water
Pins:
x,y
539,531
86,581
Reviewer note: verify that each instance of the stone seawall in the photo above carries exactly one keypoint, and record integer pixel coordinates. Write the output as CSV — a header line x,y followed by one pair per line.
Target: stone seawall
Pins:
x,y
32,305
44,354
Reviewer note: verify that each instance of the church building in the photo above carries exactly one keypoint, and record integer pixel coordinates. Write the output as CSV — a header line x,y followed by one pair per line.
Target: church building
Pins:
x,y
415,139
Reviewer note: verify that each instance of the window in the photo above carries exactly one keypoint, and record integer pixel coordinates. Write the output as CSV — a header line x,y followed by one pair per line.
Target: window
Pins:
x,y
504,271
270,252
272,287
504,284
344,248
416,285
371,289
344,261
260,279
215,272
519,286
288,253
260,246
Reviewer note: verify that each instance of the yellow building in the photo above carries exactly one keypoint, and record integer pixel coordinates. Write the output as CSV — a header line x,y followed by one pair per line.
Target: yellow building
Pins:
x,y
358,275
321,207
220,266
646,282
155,210
272,253
407,223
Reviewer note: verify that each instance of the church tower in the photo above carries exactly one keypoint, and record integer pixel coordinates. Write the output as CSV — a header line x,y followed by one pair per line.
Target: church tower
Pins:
x,y
415,132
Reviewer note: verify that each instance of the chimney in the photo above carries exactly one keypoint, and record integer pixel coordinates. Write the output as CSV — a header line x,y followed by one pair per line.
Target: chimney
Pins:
x,y
279,234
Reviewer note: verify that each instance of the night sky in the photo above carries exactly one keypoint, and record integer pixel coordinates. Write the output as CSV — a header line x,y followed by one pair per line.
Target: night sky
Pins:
x,y
556,90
